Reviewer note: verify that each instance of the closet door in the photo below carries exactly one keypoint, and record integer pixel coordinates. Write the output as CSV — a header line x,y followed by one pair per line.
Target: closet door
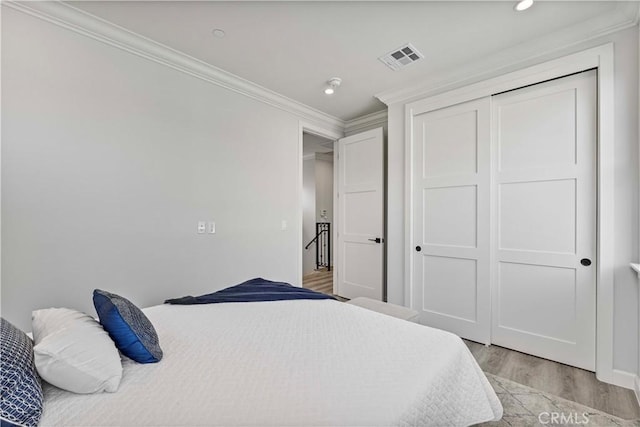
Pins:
x,y
450,185
544,199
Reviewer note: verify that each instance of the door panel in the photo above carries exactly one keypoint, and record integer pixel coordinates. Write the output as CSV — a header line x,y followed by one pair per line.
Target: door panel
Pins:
x,y
360,278
525,125
548,210
461,279
450,216
358,208
450,146
361,215
451,183
359,157
544,139
534,283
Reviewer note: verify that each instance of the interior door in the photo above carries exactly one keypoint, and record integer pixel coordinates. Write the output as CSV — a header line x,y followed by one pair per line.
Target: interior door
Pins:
x,y
361,215
451,180
544,294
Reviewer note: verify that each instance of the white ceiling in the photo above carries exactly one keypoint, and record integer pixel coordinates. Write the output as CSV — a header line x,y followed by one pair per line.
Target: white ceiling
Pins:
x,y
293,47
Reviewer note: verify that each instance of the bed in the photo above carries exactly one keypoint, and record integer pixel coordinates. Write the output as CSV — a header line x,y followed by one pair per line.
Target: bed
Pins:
x,y
288,363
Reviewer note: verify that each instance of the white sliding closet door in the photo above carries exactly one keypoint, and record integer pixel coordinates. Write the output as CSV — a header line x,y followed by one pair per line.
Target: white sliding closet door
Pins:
x,y
504,219
544,200
451,181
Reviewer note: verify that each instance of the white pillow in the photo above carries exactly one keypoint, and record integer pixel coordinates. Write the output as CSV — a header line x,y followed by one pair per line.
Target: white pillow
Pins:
x,y
73,352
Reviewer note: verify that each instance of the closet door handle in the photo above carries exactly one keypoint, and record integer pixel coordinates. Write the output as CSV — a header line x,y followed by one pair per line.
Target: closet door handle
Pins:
x,y
377,240
585,261
418,248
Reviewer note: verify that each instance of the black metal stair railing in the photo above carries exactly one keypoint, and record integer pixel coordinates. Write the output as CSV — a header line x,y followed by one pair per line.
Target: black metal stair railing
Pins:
x,y
323,245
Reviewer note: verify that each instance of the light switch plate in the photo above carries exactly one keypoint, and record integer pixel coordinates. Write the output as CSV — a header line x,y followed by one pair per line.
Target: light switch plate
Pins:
x,y
212,227
202,227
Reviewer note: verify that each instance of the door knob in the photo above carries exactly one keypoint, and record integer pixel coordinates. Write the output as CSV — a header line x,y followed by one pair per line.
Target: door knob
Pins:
x,y
585,261
418,248
377,240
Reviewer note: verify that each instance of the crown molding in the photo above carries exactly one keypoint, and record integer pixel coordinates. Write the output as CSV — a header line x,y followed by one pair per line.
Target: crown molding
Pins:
x,y
81,22
625,15
368,121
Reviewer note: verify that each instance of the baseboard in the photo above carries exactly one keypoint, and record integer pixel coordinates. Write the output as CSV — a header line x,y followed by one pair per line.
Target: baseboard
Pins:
x,y
637,388
624,379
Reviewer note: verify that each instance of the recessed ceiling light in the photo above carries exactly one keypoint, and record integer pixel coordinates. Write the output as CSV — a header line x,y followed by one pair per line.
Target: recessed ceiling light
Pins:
x,y
218,33
523,5
332,84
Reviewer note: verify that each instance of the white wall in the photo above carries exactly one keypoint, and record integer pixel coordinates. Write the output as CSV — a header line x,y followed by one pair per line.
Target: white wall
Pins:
x,y
395,205
324,186
317,195
108,162
626,200
324,189
626,193
637,382
308,214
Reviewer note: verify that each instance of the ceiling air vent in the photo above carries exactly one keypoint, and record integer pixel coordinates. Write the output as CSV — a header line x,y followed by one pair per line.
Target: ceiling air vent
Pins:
x,y
401,57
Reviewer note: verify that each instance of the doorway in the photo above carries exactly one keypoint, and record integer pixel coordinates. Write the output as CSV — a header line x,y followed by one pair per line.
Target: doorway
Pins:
x,y
342,213
317,213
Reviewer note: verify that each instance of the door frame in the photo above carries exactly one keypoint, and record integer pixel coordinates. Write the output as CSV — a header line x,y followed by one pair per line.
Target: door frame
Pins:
x,y
602,59
334,135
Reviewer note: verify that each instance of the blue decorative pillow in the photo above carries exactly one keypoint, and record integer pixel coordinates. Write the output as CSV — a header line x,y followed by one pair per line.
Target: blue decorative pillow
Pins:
x,y
128,327
21,391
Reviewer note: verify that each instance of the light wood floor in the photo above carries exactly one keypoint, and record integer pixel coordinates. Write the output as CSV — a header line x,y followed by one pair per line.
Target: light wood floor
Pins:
x,y
321,281
555,378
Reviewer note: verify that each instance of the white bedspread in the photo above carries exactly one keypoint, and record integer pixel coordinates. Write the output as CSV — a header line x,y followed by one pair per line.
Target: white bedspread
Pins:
x,y
288,363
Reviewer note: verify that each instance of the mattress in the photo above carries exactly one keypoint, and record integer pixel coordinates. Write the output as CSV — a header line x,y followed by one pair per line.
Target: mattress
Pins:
x,y
288,363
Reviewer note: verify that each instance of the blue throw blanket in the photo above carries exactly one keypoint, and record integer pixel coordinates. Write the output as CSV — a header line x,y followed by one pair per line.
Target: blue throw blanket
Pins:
x,y
253,290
